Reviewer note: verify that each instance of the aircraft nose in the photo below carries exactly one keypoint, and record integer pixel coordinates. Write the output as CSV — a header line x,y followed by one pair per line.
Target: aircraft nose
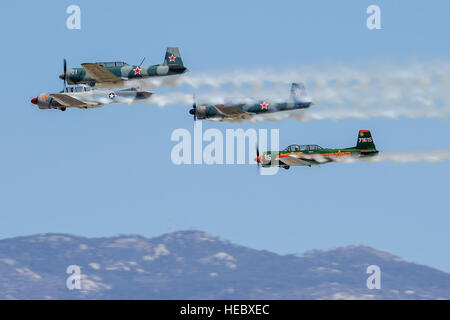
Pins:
x,y
61,76
34,100
257,159
192,111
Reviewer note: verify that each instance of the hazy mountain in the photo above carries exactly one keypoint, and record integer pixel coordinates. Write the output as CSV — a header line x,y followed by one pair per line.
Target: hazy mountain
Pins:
x,y
195,265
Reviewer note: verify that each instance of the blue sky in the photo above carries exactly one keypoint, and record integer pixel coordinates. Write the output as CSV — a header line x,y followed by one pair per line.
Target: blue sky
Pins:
x,y
108,171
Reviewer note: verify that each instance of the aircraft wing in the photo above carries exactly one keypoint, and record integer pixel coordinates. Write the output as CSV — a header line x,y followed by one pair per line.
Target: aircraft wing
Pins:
x,y
68,101
294,161
99,73
232,112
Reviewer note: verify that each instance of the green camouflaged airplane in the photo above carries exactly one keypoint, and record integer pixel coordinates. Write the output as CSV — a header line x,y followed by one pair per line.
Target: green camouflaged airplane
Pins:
x,y
308,155
237,112
114,74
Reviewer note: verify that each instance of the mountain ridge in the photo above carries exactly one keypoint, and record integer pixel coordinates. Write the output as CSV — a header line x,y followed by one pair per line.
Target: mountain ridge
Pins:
x,y
191,264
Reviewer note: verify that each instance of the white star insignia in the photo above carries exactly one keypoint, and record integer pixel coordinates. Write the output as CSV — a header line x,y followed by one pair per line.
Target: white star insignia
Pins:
x,y
264,105
137,70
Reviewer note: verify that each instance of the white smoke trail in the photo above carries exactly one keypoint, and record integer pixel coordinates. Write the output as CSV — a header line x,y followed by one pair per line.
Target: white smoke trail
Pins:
x,y
325,113
174,98
415,90
430,156
318,111
324,76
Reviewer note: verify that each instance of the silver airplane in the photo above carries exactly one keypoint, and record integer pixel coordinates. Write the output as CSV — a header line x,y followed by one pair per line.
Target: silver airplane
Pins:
x,y
85,98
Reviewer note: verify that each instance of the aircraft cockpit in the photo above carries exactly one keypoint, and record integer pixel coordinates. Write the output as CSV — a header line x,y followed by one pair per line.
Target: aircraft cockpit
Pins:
x,y
313,147
112,64
75,89
301,148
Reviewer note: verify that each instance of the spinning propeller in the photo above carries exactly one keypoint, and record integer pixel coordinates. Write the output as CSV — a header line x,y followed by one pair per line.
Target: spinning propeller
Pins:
x,y
64,75
257,158
193,111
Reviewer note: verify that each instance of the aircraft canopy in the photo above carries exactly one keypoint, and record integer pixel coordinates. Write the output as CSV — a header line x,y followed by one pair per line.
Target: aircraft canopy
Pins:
x,y
112,64
303,147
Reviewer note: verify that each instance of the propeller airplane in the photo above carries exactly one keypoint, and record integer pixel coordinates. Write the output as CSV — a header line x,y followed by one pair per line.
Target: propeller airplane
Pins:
x,y
237,112
308,155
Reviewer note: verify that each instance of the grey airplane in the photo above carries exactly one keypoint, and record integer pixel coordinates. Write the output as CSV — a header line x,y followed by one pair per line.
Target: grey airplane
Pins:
x,y
85,98
237,112
115,74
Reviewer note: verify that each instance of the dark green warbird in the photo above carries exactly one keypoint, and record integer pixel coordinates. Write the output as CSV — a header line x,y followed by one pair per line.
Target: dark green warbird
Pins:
x,y
312,154
115,74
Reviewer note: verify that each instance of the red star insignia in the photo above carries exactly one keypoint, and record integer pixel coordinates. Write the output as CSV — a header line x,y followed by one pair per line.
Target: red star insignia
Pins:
x,y
137,71
264,105
172,58
203,108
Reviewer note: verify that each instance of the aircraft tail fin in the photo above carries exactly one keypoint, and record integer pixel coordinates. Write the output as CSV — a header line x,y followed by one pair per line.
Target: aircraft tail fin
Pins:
x,y
365,141
173,58
298,91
